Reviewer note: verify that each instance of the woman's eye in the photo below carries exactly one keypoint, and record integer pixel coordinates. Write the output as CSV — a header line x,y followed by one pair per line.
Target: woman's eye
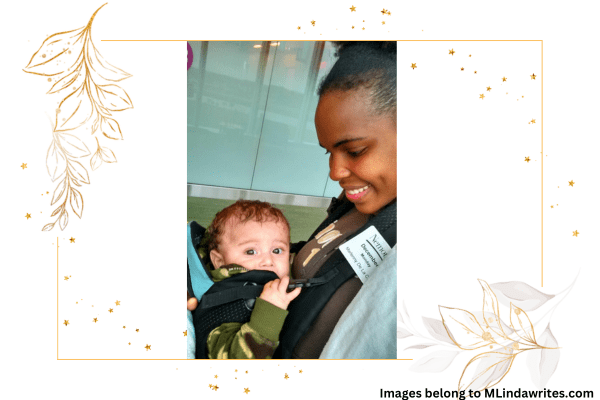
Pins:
x,y
356,153
250,252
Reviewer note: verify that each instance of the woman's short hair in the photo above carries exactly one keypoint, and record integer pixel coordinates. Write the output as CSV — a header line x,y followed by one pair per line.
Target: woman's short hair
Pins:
x,y
365,65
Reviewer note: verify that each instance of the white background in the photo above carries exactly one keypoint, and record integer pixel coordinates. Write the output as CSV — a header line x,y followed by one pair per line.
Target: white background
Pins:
x,y
470,207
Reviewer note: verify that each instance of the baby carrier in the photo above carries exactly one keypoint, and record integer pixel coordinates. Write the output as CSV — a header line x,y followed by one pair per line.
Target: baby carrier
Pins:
x,y
232,299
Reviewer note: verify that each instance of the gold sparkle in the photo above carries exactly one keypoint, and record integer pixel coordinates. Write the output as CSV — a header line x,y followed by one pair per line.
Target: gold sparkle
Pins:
x,y
462,69
47,192
210,385
469,55
489,89
246,371
575,233
504,80
24,165
137,330
382,22
298,28
551,206
363,28
185,333
383,11
389,13
118,302
28,216
414,65
451,52
215,388
147,347
352,9
313,22
300,371
130,343
246,390
571,183
66,278
123,326
236,370
533,76
66,322
475,71
110,310
527,159
533,121
481,96
216,376
352,26
286,376
72,239
95,319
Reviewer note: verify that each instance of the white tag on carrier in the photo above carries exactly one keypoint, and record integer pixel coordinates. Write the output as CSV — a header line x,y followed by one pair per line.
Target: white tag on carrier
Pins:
x,y
365,252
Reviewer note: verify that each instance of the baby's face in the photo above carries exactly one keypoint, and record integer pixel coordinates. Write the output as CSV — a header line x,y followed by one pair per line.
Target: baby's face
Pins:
x,y
255,245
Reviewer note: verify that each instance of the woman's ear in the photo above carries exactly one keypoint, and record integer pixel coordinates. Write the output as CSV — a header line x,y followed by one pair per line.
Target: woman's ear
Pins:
x,y
217,259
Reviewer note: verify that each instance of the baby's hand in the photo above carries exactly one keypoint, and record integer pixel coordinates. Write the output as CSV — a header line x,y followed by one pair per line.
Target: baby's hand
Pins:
x,y
275,292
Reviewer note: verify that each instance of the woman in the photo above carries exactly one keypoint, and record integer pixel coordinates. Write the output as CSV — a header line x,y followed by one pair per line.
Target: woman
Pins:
x,y
356,125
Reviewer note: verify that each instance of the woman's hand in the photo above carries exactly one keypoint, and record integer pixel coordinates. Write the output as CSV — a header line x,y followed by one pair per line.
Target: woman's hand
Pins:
x,y
192,303
275,292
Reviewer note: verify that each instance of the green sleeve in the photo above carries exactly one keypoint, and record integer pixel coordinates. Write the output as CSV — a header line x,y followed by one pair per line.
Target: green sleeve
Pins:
x,y
255,339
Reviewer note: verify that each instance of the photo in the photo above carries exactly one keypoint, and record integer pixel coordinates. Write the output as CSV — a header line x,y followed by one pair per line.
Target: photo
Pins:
x,y
291,200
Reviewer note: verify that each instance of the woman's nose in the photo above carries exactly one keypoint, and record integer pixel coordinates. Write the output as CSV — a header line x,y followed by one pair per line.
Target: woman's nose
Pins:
x,y
337,169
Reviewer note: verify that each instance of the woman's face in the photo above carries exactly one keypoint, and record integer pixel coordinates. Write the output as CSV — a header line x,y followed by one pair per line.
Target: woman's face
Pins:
x,y
361,148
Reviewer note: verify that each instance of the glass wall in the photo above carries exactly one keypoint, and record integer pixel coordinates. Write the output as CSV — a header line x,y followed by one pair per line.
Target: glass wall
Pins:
x,y
251,108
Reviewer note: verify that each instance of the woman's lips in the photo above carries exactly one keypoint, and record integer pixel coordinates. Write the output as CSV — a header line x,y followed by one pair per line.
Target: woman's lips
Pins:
x,y
358,194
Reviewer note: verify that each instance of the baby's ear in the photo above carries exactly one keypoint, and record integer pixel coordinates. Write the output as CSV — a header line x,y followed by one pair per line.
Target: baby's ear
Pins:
x,y
217,259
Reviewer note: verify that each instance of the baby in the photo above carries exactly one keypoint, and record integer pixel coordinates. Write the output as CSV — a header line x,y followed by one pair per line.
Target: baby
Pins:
x,y
246,236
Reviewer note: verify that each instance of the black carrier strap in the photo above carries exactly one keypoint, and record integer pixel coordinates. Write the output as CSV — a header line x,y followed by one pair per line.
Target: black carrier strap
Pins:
x,y
308,305
230,300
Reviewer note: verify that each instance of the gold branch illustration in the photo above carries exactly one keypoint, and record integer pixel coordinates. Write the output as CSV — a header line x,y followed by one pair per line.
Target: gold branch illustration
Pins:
x,y
86,83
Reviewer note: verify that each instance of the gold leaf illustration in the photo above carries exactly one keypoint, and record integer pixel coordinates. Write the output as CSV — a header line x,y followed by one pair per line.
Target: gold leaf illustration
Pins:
x,y
112,97
107,155
490,305
486,370
103,68
60,189
74,79
519,320
72,145
63,220
96,161
78,172
48,227
75,110
55,162
464,329
110,128
56,212
57,53
76,201
436,361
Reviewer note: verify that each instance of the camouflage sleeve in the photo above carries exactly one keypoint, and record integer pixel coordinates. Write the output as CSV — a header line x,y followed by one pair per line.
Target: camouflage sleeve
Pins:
x,y
255,339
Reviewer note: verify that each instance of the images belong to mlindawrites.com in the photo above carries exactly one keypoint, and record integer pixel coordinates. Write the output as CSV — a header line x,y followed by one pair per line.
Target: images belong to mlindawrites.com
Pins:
x,y
491,393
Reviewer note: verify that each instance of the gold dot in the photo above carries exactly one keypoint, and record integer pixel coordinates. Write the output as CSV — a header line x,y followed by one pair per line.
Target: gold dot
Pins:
x,y
49,79
43,56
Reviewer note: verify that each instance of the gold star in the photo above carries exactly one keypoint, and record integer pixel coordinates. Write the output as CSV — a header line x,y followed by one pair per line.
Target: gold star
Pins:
x,y
527,159
298,28
551,206
452,52
300,371
216,376
118,302
352,9
533,76
312,22
363,28
481,96
575,233
246,371
123,326
286,376
246,390
147,347
66,322
571,183
66,278
72,239
95,320
236,370
382,22
210,385
383,11
462,69
28,216
130,343
533,121
185,333
389,13
475,71
489,89
24,165
110,310
215,388
47,192
352,26
469,55
504,79
414,65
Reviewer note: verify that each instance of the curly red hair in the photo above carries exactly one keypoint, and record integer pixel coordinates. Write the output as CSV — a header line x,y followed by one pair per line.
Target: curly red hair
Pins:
x,y
243,210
